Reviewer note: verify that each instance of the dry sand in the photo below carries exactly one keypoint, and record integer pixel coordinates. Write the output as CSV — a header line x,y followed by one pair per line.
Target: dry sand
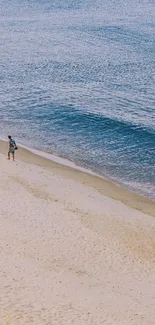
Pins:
x,y
73,249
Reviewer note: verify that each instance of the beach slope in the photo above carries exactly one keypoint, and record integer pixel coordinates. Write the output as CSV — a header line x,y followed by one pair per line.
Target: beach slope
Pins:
x,y
69,253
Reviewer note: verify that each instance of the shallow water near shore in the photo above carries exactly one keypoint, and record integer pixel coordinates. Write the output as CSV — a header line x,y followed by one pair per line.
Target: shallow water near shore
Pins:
x,y
78,80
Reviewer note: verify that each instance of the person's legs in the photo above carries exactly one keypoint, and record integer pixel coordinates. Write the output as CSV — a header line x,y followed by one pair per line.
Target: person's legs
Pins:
x,y
12,154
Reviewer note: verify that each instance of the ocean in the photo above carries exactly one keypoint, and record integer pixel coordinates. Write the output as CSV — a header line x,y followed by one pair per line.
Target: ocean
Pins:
x,y
77,79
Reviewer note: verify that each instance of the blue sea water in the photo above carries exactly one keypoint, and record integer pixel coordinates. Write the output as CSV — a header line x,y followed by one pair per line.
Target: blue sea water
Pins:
x,y
77,78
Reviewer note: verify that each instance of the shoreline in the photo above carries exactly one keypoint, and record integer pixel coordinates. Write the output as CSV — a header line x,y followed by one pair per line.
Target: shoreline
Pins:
x,y
66,161
68,169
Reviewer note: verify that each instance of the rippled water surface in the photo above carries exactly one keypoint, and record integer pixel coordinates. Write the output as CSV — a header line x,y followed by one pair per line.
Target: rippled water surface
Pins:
x,y
78,79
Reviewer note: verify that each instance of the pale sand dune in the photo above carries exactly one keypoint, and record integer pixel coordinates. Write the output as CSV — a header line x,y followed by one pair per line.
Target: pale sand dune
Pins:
x,y
69,254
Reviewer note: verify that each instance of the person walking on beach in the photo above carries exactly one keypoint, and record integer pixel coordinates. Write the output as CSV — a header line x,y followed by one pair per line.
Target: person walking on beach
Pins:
x,y
12,147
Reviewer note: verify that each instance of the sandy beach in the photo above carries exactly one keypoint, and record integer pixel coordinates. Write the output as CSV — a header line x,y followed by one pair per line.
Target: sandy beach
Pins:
x,y
75,249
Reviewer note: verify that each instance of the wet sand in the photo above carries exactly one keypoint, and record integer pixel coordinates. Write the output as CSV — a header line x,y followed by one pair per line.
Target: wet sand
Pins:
x,y
104,186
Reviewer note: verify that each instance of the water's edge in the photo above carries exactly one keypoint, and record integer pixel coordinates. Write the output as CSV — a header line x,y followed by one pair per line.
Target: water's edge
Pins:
x,y
72,164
